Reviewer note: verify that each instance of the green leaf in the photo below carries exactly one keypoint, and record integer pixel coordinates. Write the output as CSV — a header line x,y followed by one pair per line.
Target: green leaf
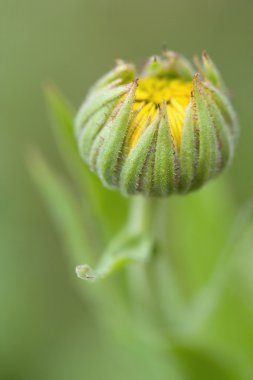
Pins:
x,y
199,361
124,249
209,298
107,219
64,208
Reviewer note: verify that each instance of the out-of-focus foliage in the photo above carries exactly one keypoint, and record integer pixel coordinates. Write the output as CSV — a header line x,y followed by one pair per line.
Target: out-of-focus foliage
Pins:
x,y
53,325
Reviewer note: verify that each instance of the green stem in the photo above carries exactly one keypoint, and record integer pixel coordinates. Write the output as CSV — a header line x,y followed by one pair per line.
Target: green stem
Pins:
x,y
155,287
141,215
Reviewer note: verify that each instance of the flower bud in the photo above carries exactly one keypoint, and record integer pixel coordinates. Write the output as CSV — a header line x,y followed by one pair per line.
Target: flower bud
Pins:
x,y
169,130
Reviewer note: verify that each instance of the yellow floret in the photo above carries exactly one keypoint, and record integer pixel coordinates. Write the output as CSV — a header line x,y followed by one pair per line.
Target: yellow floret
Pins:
x,y
150,93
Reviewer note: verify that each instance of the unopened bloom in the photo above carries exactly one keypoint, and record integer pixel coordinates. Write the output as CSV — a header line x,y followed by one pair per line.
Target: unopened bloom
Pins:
x,y
167,130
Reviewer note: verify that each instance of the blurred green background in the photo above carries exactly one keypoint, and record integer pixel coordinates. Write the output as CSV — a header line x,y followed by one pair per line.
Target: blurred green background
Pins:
x,y
47,331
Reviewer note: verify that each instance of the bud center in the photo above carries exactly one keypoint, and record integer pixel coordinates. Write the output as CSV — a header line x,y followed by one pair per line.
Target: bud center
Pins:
x,y
150,93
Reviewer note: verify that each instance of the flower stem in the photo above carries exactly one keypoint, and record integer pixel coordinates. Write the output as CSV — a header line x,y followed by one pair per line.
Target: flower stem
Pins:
x,y
141,215
155,288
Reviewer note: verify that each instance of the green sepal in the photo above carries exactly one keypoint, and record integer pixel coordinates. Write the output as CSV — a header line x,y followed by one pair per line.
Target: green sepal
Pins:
x,y
123,73
94,103
178,66
188,151
223,135
135,164
207,155
108,155
153,67
91,129
210,72
164,174
226,109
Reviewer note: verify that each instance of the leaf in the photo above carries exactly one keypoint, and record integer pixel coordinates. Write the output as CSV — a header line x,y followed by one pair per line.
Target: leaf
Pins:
x,y
201,361
210,296
64,208
125,249
97,197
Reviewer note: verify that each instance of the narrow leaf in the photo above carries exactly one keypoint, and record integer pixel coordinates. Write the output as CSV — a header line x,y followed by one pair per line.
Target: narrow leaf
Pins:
x,y
122,251
64,208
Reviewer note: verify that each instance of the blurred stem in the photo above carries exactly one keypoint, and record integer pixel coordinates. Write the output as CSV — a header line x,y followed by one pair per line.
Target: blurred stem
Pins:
x,y
205,302
155,288
141,215
141,221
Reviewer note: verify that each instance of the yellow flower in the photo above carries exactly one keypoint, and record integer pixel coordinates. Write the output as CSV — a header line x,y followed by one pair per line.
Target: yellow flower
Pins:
x,y
150,94
168,130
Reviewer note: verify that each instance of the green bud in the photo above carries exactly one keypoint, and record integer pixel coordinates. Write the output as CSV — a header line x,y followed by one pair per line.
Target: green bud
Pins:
x,y
167,131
